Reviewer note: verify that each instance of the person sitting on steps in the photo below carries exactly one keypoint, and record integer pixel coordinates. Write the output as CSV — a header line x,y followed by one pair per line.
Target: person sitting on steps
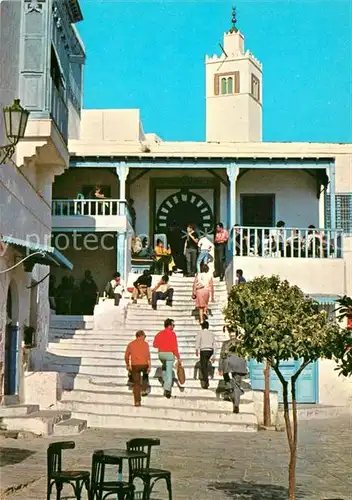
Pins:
x,y
162,291
142,287
164,260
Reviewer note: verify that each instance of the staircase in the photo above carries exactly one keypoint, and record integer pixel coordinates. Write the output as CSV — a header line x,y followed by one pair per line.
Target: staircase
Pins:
x,y
95,381
29,418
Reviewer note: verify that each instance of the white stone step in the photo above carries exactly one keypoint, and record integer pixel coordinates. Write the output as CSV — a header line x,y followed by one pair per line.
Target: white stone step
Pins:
x,y
119,338
87,366
137,310
160,413
154,423
109,351
186,352
41,422
178,400
70,427
17,410
110,337
119,383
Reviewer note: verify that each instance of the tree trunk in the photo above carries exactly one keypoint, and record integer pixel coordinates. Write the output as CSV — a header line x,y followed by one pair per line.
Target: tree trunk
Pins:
x,y
267,412
293,448
290,438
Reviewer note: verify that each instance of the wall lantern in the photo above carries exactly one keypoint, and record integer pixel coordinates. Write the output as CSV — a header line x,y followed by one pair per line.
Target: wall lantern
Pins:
x,y
15,118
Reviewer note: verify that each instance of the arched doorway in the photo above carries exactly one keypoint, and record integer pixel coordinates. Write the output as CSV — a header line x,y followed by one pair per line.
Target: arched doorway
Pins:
x,y
176,212
11,342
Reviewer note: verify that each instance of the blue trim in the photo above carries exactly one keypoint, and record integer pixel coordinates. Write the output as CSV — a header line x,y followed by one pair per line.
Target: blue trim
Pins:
x,y
316,380
93,229
48,255
201,163
121,254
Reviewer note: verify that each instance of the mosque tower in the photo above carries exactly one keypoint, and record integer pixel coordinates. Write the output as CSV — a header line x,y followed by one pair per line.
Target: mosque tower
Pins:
x,y
233,92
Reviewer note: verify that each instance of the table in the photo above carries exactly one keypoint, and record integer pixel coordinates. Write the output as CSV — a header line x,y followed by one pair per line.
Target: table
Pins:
x,y
122,454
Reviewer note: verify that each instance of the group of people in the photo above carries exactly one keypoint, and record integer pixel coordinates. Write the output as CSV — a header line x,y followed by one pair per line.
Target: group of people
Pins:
x,y
282,242
196,250
138,361
69,298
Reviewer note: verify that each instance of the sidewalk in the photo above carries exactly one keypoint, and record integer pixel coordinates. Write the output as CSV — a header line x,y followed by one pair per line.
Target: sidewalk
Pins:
x,y
204,466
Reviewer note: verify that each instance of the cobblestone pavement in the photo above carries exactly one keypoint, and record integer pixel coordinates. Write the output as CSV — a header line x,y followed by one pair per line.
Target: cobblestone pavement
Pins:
x,y
205,466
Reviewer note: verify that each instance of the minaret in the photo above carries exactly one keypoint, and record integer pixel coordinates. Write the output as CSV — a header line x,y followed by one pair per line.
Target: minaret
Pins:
x,y
233,92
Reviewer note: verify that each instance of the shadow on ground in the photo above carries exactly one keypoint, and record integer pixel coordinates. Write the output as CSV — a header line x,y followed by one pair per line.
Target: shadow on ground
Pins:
x,y
253,491
12,456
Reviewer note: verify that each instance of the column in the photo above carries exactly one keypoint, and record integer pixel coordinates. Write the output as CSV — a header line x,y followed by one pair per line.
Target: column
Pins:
x,y
122,172
232,173
121,254
332,196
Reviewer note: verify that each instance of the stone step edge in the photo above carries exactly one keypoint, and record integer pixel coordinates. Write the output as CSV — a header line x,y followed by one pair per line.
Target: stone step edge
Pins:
x,y
239,424
153,395
209,412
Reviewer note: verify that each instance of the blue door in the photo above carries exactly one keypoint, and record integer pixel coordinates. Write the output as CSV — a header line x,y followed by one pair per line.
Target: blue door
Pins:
x,y
306,385
11,360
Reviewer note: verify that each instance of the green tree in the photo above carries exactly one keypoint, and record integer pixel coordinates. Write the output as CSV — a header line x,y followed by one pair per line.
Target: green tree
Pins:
x,y
343,351
277,322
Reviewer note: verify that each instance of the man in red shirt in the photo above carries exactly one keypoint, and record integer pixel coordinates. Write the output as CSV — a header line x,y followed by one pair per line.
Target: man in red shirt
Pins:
x,y
137,358
166,343
220,243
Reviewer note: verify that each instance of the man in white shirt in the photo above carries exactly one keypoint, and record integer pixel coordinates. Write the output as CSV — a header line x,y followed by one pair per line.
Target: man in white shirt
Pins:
x,y
206,248
115,288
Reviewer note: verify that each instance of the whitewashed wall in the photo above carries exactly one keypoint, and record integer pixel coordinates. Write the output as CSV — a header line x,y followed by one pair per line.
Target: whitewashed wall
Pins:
x,y
333,389
295,194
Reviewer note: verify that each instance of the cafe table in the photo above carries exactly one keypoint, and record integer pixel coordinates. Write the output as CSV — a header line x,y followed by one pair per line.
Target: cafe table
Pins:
x,y
118,455
122,454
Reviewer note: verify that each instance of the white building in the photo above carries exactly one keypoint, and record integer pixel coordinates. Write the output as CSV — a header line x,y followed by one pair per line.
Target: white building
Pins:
x,y
233,177
41,63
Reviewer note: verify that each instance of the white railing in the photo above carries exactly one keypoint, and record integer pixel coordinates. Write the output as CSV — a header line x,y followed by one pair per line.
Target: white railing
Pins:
x,y
311,243
83,207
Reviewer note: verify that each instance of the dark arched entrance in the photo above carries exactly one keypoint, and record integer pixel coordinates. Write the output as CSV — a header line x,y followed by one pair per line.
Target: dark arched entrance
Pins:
x,y
176,212
11,343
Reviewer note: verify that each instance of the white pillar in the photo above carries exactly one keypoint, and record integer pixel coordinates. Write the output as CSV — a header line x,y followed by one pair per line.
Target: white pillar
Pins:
x,y
122,172
232,173
332,197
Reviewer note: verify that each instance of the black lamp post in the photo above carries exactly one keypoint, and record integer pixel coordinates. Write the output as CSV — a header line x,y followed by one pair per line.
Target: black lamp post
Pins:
x,y
15,118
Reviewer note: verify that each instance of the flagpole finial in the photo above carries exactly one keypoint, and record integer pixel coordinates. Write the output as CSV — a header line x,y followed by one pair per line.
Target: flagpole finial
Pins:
x,y
233,20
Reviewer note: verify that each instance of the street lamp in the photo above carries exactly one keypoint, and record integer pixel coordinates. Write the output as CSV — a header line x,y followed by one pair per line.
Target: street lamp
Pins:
x,y
15,118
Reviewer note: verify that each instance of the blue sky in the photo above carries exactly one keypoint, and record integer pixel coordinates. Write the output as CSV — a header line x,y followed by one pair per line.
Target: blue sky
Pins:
x,y
150,55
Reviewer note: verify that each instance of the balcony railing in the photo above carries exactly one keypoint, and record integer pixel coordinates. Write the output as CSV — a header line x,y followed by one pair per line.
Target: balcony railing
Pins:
x,y
59,112
310,243
92,208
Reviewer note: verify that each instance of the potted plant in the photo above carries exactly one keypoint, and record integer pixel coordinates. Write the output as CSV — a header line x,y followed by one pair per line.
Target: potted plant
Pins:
x,y
28,336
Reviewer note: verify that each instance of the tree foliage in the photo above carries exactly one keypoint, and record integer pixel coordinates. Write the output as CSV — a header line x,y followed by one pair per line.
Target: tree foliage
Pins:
x,y
276,321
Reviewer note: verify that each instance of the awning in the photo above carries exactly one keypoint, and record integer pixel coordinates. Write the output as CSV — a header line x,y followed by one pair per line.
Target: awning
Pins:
x,y
38,254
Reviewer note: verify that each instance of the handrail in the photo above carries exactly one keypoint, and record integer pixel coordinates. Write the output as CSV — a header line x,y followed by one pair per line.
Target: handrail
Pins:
x,y
310,242
90,207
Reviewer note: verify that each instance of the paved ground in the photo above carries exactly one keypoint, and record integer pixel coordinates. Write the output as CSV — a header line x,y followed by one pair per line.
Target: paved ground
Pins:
x,y
207,466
